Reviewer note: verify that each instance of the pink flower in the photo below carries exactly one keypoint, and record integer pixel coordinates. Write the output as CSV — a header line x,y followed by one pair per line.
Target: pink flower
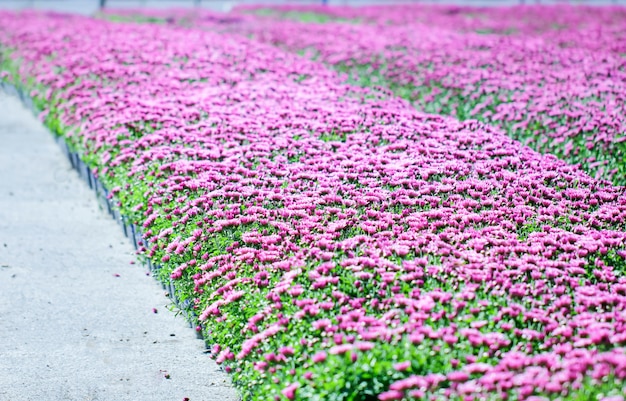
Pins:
x,y
319,357
290,391
458,376
450,339
402,366
391,395
364,345
340,349
287,351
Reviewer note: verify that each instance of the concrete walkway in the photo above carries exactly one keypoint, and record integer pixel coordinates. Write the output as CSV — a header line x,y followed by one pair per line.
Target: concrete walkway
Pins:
x,y
76,318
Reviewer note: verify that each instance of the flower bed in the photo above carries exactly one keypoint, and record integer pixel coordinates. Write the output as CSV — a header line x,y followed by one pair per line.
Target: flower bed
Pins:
x,y
551,77
558,91
334,243
512,19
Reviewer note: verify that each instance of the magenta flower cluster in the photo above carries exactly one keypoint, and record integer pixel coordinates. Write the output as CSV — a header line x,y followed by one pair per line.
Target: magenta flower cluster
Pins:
x,y
330,240
551,77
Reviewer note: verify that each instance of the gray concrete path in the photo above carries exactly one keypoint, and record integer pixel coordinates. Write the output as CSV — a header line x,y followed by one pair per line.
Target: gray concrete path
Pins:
x,y
76,318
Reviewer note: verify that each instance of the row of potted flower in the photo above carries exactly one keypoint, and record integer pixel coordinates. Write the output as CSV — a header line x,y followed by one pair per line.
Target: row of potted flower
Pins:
x,y
330,241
